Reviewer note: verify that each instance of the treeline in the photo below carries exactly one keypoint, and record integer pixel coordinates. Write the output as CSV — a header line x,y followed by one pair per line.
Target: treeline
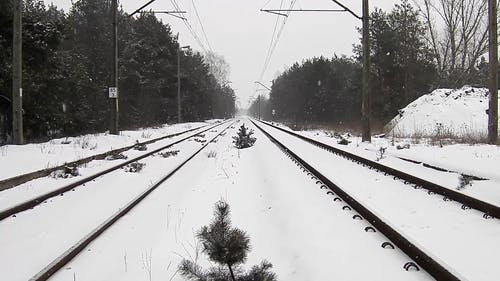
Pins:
x,y
404,65
318,90
67,61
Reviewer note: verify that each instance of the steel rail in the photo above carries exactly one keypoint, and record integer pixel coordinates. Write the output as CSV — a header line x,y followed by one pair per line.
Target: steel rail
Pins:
x,y
430,265
39,199
73,251
467,201
20,179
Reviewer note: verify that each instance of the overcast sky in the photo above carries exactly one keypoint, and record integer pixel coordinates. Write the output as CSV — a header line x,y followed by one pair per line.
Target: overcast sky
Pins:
x,y
241,33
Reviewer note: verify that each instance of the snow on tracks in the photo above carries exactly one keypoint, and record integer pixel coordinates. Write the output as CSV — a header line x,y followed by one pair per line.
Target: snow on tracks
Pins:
x,y
33,238
439,227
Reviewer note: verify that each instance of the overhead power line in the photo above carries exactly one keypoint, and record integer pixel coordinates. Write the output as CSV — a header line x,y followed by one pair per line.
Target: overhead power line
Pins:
x,y
278,12
273,37
170,13
366,94
189,27
177,13
274,41
201,24
140,9
346,9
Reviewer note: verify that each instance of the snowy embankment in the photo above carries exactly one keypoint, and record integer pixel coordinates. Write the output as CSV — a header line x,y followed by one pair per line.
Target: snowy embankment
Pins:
x,y
460,113
427,131
20,159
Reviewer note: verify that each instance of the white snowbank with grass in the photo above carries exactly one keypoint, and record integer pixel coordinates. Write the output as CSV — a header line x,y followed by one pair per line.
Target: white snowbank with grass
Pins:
x,y
445,113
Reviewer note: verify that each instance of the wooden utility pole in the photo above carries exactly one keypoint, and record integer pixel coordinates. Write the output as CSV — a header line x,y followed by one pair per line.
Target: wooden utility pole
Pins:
x,y
17,88
493,85
113,89
259,108
179,110
366,95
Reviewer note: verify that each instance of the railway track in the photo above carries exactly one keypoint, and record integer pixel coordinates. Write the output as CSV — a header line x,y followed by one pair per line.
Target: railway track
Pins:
x,y
76,248
31,203
20,179
263,200
421,257
468,202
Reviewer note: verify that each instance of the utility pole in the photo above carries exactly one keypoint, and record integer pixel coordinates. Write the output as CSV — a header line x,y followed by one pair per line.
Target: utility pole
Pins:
x,y
259,108
17,88
267,88
179,101
493,85
179,117
113,89
365,18
366,96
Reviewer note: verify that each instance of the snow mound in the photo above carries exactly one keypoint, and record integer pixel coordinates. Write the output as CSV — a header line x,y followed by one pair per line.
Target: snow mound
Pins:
x,y
445,113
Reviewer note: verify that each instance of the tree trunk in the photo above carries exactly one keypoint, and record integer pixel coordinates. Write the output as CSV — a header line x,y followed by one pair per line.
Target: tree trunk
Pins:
x,y
232,273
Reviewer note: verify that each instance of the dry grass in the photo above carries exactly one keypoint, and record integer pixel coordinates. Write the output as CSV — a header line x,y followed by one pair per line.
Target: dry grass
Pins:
x,y
442,135
353,127
212,154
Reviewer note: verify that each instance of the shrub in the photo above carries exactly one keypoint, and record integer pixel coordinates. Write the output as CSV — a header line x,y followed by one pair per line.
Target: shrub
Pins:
x,y
244,138
168,154
140,147
116,156
212,154
381,153
464,181
134,167
343,141
66,172
228,247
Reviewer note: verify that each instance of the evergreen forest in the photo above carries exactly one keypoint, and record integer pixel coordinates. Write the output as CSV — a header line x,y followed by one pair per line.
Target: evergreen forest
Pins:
x,y
410,56
67,69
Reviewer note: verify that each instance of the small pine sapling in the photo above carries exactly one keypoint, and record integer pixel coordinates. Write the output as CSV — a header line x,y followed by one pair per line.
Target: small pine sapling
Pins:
x,y
228,247
244,138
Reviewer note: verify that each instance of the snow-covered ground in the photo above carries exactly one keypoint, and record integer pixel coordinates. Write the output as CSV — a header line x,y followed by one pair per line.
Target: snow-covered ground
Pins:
x,y
20,159
441,129
31,239
422,218
29,190
291,222
480,160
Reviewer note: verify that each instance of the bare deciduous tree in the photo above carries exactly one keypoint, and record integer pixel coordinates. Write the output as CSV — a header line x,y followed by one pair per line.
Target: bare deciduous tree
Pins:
x,y
458,34
219,68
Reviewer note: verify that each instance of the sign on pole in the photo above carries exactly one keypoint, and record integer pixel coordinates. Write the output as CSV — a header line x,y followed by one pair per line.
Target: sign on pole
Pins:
x,y
113,92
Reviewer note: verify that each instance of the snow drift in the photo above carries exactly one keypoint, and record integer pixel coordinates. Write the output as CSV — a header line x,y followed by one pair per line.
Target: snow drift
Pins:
x,y
445,113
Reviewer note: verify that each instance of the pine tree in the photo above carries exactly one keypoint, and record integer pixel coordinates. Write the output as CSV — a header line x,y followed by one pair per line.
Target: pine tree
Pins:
x,y
244,138
228,247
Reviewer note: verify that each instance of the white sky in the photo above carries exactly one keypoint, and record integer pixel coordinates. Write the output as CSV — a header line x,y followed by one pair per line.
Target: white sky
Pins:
x,y
239,31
